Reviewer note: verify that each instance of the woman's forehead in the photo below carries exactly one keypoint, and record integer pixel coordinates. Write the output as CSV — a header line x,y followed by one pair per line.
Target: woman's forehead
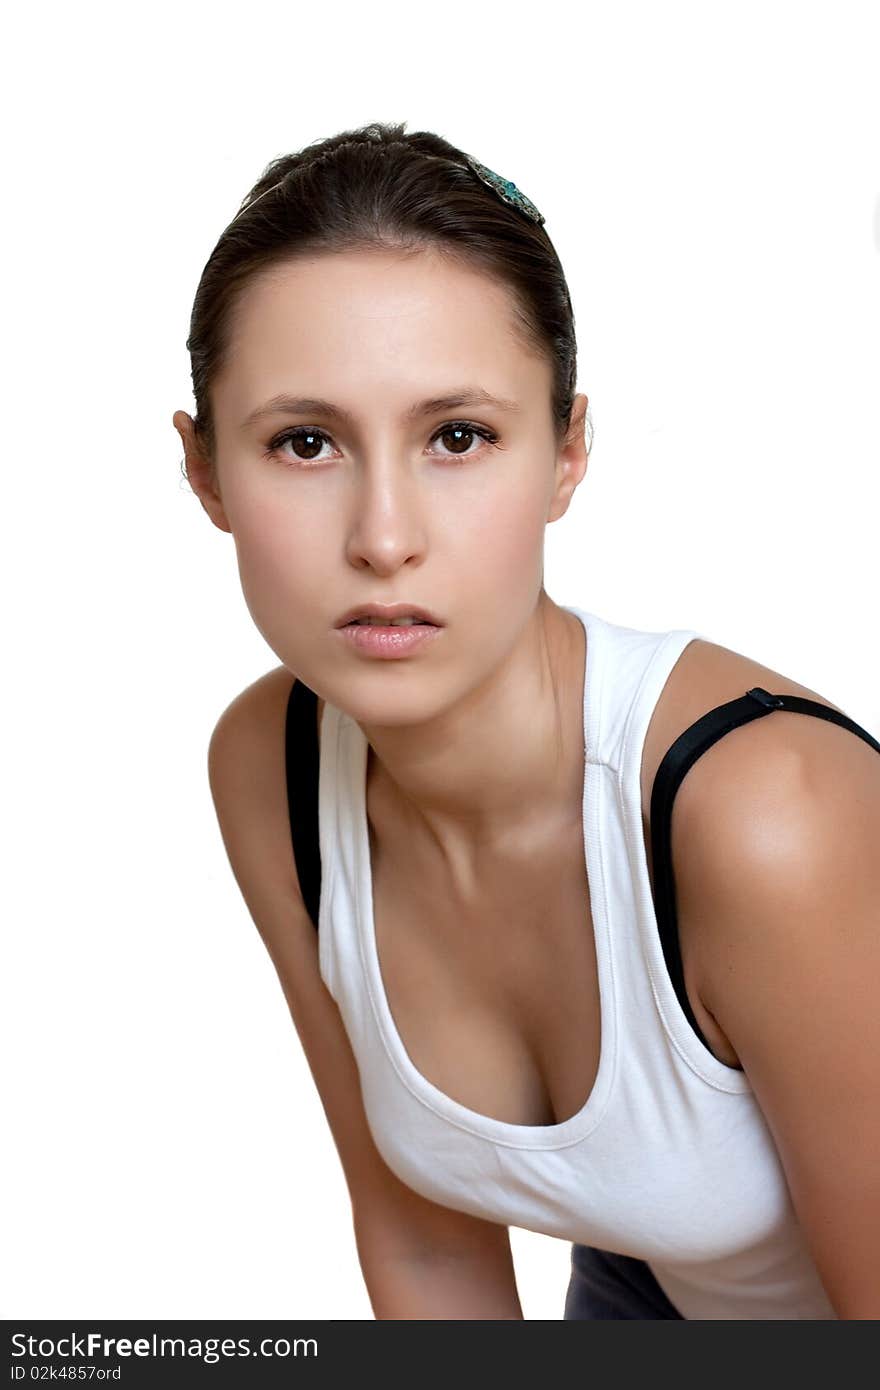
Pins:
x,y
372,287
324,327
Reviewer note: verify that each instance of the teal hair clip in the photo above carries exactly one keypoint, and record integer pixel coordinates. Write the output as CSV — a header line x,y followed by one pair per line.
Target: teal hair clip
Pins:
x,y
505,189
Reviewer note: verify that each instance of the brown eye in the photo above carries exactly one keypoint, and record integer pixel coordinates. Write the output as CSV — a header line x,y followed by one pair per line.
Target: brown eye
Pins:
x,y
308,443
458,435
311,443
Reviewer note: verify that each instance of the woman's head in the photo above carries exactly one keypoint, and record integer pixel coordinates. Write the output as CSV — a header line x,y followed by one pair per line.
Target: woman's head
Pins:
x,y
374,271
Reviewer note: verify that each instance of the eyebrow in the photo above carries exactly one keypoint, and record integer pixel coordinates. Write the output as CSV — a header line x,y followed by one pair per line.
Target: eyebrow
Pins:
x,y
315,405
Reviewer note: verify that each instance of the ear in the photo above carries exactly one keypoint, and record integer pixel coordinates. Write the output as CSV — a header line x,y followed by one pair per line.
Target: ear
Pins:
x,y
572,459
200,471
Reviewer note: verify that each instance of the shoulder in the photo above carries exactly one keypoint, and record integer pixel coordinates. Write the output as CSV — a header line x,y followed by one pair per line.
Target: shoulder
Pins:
x,y
244,743
773,796
246,714
247,775
707,675
763,787
785,804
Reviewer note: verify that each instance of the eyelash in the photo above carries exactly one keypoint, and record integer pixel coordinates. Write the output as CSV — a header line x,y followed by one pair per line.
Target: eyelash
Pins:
x,y
482,431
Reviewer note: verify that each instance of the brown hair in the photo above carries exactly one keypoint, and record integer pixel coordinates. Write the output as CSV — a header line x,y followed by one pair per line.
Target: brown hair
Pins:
x,y
379,187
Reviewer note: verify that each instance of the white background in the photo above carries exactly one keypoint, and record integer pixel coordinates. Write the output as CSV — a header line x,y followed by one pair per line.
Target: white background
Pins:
x,y
710,176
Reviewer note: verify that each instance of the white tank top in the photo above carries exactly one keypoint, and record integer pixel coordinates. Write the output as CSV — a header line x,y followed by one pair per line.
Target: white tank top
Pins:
x,y
670,1160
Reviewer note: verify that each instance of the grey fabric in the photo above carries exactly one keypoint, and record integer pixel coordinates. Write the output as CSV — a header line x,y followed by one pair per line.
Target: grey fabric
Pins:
x,y
605,1285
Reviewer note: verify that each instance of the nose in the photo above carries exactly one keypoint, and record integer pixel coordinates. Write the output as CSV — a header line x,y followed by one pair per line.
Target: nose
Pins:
x,y
387,521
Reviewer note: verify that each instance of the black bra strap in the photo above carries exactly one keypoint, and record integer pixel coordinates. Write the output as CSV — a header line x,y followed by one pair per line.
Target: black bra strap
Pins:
x,y
682,754
302,763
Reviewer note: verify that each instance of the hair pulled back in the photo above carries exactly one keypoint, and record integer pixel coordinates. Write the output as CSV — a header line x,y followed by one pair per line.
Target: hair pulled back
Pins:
x,y
379,187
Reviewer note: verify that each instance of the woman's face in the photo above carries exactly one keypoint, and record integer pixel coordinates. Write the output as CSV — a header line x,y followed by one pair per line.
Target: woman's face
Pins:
x,y
383,502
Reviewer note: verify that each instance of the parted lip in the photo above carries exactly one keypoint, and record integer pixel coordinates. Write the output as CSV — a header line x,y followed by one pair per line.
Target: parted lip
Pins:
x,y
388,610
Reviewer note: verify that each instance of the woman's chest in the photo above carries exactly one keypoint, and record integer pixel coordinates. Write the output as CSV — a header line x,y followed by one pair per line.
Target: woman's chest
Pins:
x,y
495,1000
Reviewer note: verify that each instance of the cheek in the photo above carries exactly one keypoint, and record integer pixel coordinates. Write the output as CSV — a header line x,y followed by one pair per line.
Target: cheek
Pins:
x,y
282,561
500,531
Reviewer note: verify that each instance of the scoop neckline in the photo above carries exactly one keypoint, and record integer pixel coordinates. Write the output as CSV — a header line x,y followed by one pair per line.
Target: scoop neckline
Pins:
x,y
523,1136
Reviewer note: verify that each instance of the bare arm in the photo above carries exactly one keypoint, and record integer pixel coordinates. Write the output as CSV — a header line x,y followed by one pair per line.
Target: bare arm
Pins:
x,y
419,1259
461,1285
786,878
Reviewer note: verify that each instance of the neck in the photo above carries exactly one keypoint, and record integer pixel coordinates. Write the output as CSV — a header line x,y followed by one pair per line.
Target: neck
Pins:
x,y
503,768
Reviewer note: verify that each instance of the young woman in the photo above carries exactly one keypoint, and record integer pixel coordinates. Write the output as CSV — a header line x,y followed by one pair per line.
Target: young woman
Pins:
x,y
513,1014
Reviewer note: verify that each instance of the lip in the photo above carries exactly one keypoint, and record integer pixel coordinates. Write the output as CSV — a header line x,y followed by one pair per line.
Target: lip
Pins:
x,y
387,643
388,611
